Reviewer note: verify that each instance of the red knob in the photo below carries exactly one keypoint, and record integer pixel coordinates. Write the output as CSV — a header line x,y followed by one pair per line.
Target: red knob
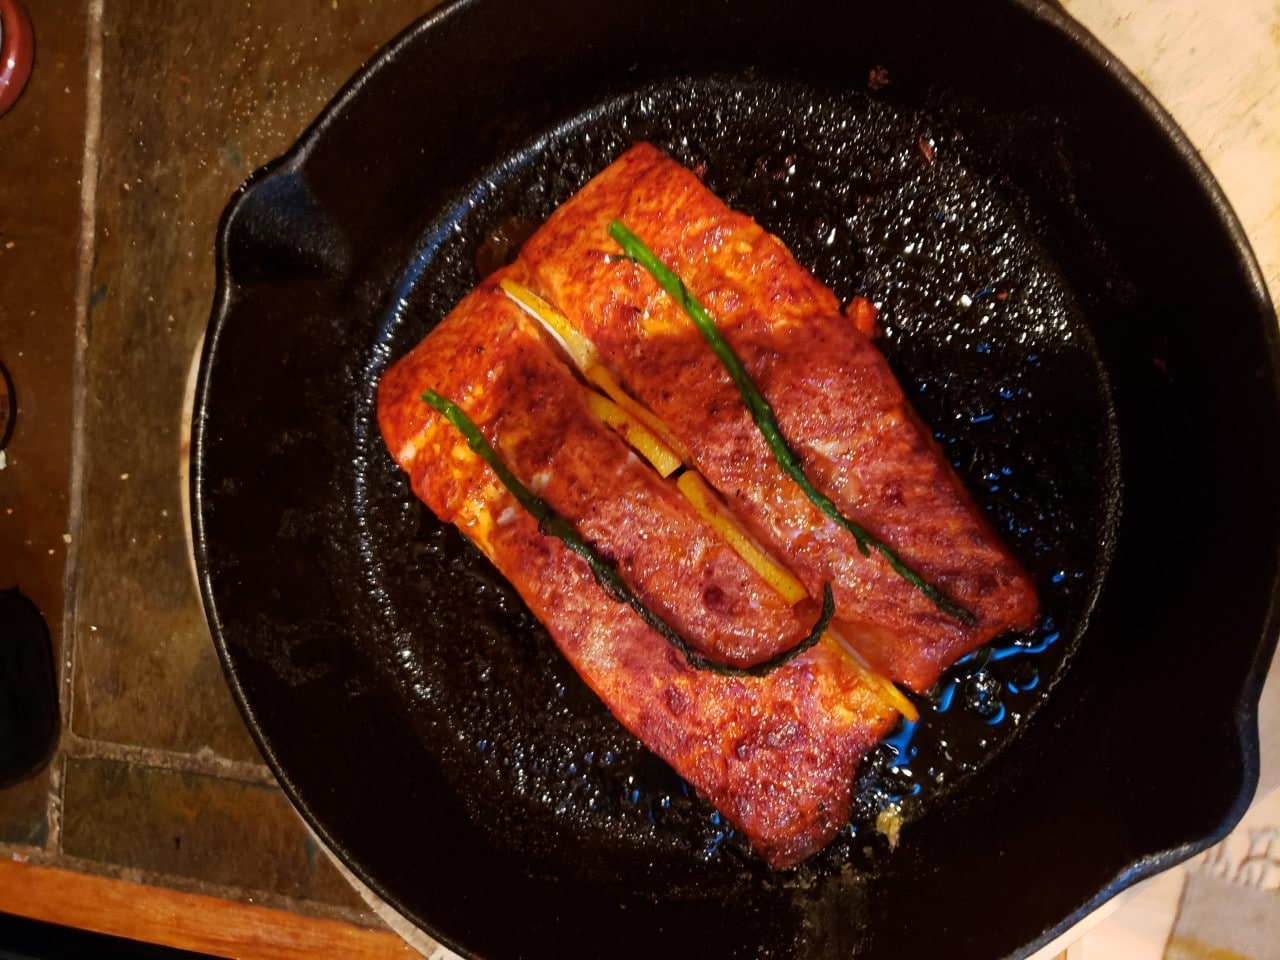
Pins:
x,y
16,51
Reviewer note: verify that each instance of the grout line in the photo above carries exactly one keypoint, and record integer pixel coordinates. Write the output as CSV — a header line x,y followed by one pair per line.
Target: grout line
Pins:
x,y
205,762
53,811
75,499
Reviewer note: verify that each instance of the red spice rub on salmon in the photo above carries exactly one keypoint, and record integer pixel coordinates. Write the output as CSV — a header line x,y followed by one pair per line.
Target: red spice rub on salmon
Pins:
x,y
775,754
836,399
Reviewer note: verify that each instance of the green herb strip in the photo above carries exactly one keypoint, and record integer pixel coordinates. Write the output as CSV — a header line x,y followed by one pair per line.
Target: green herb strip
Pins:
x,y
550,522
763,414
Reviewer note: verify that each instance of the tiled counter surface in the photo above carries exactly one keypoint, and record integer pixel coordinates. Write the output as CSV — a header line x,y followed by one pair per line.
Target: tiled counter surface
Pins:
x,y
164,109
139,122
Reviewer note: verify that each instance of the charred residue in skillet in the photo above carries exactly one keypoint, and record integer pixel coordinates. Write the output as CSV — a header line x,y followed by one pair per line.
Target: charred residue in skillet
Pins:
x,y
985,335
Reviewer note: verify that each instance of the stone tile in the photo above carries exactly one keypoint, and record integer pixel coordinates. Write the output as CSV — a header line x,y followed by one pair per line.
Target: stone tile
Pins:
x,y
23,806
39,224
39,242
195,95
197,827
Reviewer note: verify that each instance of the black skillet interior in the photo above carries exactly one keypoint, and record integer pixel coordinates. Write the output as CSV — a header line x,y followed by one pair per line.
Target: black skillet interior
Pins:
x,y
1043,245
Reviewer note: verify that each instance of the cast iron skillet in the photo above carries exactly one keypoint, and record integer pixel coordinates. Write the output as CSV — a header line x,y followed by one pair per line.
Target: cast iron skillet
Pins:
x,y
1065,292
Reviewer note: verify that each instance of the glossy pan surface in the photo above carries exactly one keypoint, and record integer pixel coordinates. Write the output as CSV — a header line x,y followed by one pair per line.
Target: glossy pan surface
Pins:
x,y
1065,296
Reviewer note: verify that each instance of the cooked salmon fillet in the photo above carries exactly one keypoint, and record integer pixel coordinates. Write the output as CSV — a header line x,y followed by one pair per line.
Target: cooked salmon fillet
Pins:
x,y
836,400
775,754
507,375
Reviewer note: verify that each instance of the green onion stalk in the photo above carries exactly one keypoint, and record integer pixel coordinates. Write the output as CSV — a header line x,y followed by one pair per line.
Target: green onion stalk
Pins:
x,y
765,419
605,573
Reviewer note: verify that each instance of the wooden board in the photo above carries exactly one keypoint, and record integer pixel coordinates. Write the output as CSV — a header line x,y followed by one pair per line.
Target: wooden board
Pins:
x,y
185,920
